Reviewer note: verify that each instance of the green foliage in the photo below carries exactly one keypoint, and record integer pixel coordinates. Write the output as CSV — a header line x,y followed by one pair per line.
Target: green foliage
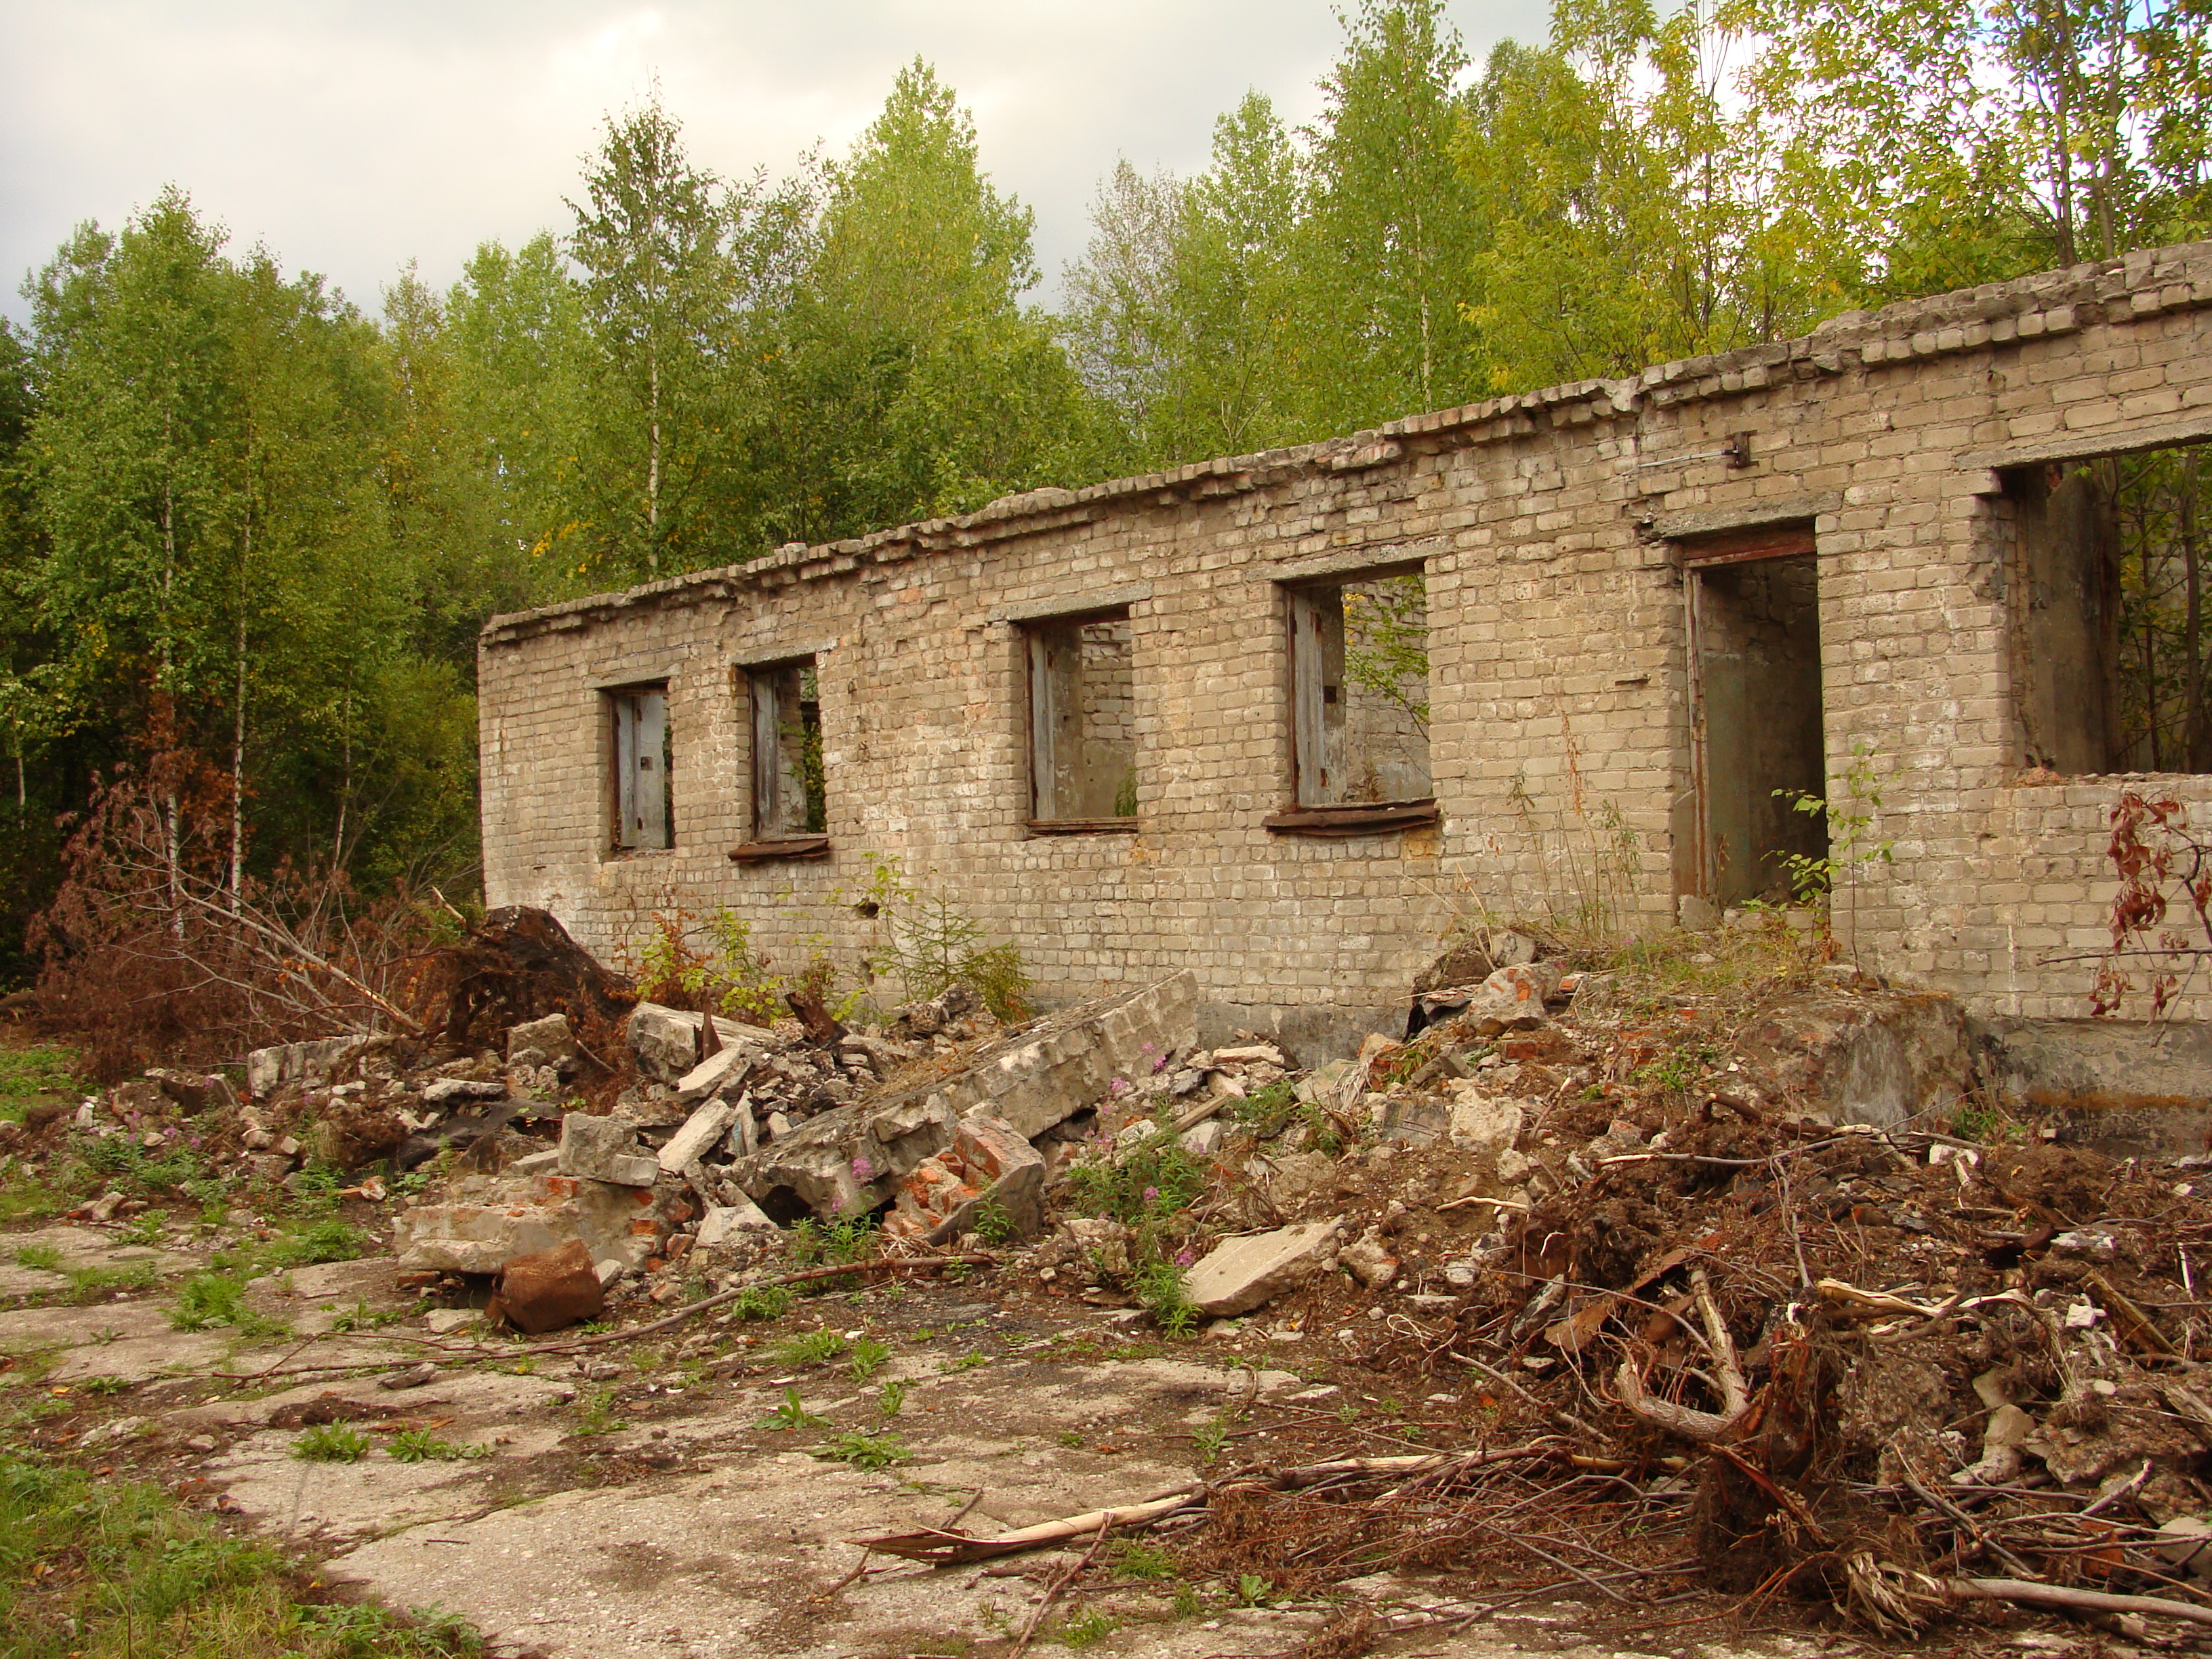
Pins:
x,y
329,1443
763,1302
107,1385
1252,1590
816,1242
1210,1439
329,1240
209,1299
422,1446
45,1258
1850,824
991,1221
815,1348
890,1399
712,962
595,1412
90,1284
1081,1630
27,1074
866,1448
930,943
789,1414
1133,1558
868,1357
1159,1289
1138,1184
105,1567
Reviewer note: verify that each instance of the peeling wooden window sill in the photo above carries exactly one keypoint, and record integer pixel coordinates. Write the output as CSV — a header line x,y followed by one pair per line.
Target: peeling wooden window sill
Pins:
x,y
1081,826
1339,820
784,847
625,854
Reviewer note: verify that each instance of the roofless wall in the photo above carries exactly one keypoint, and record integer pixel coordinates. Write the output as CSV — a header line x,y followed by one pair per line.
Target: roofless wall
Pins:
x,y
1185,719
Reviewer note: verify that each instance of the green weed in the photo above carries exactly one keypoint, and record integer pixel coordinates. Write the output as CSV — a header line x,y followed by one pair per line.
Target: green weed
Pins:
x,y
329,1443
1082,1629
974,1360
1187,1602
763,1302
889,1398
789,1413
120,1567
27,1074
107,1385
87,1283
815,1348
420,1446
1210,1439
1149,1562
1140,1184
831,1244
1252,1590
45,1258
991,1221
1159,1289
866,1448
325,1241
595,1412
868,1357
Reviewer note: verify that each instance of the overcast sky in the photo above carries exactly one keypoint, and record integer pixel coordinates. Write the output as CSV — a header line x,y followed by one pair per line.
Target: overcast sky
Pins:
x,y
351,136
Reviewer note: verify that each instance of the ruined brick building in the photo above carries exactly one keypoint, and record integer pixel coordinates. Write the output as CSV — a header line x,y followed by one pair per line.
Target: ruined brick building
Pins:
x,y
1187,718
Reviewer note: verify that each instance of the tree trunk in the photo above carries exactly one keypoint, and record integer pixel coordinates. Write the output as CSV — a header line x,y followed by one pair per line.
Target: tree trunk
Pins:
x,y
238,730
2199,744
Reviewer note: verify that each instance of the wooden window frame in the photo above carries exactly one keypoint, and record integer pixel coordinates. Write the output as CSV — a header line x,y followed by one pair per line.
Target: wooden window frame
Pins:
x,y
1038,721
764,793
1307,753
637,715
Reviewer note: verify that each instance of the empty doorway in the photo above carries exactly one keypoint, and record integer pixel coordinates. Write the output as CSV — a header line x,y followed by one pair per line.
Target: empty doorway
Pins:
x,y
1760,746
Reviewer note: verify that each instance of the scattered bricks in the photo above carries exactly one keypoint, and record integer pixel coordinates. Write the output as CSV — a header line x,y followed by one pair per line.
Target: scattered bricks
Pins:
x,y
603,1149
699,1131
1547,1044
192,1093
988,1163
548,1289
1239,1275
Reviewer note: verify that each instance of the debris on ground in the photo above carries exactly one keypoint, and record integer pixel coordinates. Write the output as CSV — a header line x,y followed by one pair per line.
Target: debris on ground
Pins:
x,y
1719,1246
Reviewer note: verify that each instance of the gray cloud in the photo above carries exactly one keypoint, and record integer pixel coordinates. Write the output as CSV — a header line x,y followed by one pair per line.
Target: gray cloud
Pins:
x,y
351,137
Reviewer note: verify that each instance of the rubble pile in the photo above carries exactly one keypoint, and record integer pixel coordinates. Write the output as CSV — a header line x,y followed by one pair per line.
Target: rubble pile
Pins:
x,y
1721,1246
1633,1226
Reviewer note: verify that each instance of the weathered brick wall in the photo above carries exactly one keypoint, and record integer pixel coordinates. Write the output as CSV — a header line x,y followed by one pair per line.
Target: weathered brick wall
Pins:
x,y
1552,527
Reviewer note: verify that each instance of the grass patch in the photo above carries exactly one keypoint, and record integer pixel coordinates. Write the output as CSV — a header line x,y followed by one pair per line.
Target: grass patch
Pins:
x,y
329,1443
420,1446
815,1348
790,1413
1147,1562
208,1301
106,1569
1081,1630
867,1357
866,1448
45,1258
763,1302
27,1075
595,1412
1140,1185
329,1240
830,1244
90,1284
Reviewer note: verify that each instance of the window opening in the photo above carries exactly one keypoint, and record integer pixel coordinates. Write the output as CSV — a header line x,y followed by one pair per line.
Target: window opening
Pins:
x,y
2111,619
1082,733
644,763
789,797
1755,624
1359,674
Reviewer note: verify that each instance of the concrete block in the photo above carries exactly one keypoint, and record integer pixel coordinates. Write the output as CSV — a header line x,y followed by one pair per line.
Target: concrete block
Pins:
x,y
1238,1276
603,1149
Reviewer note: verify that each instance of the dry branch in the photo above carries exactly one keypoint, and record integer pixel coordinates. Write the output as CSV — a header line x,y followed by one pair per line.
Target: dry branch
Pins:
x,y
1683,1420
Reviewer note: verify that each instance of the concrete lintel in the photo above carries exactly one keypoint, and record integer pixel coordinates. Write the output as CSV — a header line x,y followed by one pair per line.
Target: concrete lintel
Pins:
x,y
2088,445
1349,561
1074,605
647,673
760,656
1751,515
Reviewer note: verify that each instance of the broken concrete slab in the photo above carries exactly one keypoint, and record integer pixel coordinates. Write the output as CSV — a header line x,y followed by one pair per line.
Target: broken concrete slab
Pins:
x,y
726,1067
855,1156
666,1040
603,1149
988,1164
488,1221
1241,1274
452,1090
725,1225
269,1069
699,1131
547,1042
